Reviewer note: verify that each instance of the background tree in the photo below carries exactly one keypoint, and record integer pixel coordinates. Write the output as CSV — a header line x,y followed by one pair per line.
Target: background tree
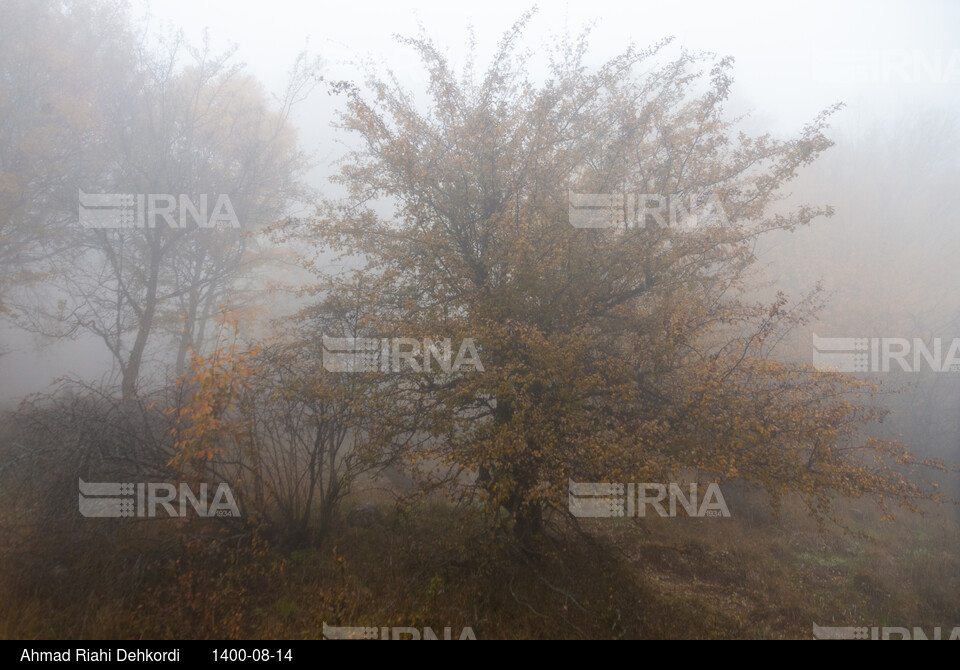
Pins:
x,y
191,124
51,98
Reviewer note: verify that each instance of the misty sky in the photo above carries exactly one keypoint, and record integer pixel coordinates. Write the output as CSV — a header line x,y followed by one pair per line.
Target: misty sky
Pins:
x,y
793,59
784,50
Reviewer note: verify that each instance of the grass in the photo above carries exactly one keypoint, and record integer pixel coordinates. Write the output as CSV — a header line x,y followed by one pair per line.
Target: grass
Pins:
x,y
439,566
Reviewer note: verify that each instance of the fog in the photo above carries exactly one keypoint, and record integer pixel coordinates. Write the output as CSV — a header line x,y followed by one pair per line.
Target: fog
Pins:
x,y
890,63
804,354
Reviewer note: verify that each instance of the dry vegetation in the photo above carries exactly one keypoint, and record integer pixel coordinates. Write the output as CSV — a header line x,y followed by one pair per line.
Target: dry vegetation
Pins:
x,y
432,564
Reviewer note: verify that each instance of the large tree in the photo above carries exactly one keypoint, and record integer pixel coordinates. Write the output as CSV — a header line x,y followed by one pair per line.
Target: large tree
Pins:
x,y
626,353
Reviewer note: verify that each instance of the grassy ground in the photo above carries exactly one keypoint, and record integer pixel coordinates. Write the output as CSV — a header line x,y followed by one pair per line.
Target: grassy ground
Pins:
x,y
750,576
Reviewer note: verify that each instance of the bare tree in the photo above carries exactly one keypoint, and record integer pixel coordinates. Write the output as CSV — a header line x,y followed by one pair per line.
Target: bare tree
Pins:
x,y
199,133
